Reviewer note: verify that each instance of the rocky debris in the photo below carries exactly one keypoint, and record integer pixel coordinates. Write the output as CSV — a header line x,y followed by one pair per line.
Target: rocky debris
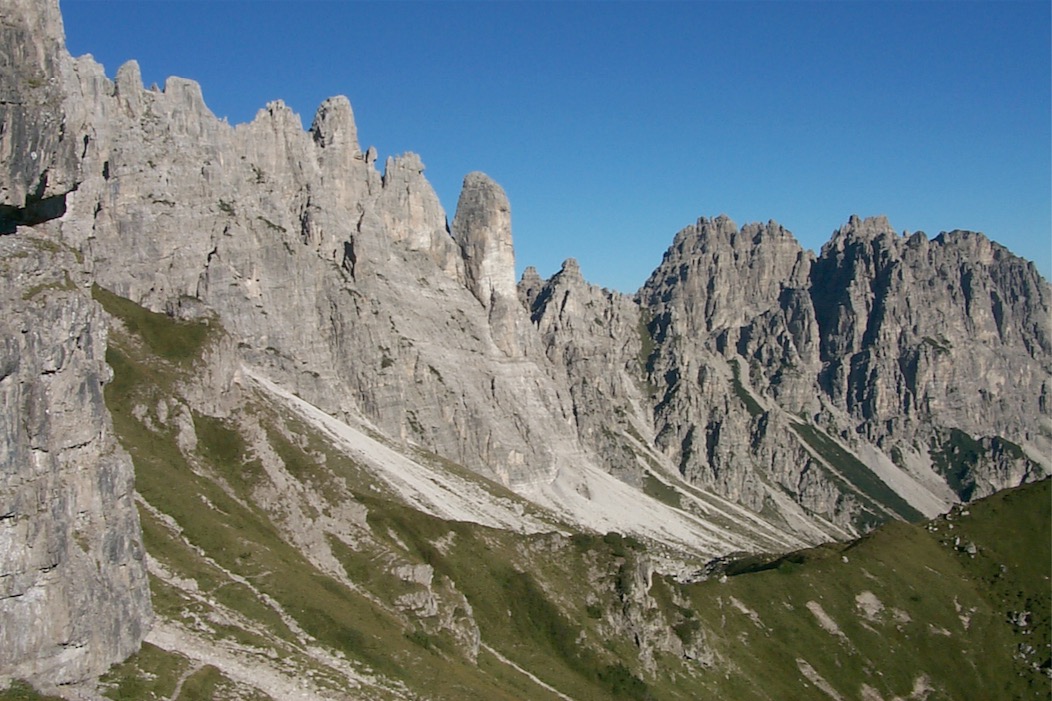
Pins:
x,y
74,597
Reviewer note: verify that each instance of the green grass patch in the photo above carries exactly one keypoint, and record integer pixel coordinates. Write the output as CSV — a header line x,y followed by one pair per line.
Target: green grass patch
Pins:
x,y
149,675
223,447
174,340
941,615
19,690
64,285
855,471
744,395
957,456
653,487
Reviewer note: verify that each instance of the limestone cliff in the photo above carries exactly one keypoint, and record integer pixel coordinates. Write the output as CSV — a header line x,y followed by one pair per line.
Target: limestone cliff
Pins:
x,y
884,349
38,157
345,284
73,592
597,338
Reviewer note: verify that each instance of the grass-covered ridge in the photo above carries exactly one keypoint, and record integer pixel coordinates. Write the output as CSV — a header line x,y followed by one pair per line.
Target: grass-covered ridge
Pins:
x,y
267,541
927,605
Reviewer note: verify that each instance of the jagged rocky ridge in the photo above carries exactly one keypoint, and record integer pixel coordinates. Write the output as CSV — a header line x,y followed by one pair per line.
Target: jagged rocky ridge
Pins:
x,y
889,376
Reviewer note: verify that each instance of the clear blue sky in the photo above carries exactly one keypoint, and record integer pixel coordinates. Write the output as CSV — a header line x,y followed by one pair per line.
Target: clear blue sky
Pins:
x,y
613,125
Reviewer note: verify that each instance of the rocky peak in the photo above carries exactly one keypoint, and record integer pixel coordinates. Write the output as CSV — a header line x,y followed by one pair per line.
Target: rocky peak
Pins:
x,y
482,228
869,227
570,271
530,285
410,213
717,276
128,89
334,125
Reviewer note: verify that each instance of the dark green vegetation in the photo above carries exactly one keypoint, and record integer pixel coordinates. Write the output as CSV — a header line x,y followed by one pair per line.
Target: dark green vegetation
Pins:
x,y
915,605
955,455
162,337
875,494
743,394
241,502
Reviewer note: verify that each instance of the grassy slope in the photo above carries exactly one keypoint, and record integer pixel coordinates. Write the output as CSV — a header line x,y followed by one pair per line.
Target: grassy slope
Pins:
x,y
211,496
944,617
566,609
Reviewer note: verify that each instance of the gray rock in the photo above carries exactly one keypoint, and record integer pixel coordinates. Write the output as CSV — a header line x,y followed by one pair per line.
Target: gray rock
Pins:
x,y
884,341
39,157
74,598
482,227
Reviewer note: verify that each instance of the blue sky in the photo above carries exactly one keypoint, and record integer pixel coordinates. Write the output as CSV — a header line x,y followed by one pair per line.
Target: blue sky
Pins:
x,y
613,125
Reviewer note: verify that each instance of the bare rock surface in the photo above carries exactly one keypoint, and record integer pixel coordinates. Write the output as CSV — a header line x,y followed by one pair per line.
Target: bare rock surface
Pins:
x,y
39,158
893,351
73,591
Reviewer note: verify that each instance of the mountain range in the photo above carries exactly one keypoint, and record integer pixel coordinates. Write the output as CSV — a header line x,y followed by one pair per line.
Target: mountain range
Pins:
x,y
275,426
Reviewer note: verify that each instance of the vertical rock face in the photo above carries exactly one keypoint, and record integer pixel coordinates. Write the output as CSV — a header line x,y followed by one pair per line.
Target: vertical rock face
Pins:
x,y
73,592
596,337
342,283
955,328
38,160
482,227
74,597
922,337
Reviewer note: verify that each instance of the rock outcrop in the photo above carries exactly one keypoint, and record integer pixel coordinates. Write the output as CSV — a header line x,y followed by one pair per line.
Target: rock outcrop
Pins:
x,y
771,362
74,597
73,592
39,160
482,227
598,339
